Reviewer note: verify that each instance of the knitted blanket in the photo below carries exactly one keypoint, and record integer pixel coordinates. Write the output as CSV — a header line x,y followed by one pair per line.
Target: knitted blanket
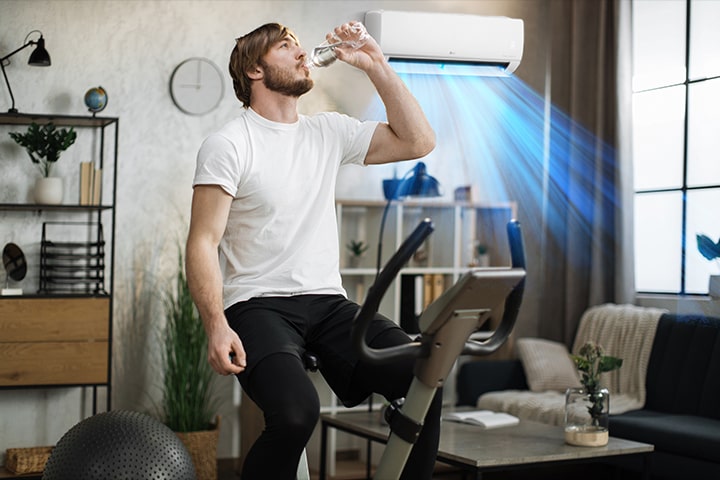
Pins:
x,y
627,332
624,331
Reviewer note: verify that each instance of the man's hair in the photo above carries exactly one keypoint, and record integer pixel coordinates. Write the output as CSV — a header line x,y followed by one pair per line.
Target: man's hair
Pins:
x,y
248,52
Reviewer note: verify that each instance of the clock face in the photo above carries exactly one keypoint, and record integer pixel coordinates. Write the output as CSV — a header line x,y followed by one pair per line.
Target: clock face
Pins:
x,y
196,86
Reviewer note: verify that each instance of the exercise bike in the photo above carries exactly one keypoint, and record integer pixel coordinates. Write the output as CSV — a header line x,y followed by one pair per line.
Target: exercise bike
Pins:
x,y
446,328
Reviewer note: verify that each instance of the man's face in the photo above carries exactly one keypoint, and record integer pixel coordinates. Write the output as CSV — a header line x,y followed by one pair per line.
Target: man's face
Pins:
x,y
284,69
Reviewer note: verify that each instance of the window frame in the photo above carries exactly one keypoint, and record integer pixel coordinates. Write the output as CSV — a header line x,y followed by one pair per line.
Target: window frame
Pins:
x,y
684,188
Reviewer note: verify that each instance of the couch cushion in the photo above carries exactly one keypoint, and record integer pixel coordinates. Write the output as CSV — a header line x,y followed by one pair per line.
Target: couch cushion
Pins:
x,y
547,365
686,435
478,377
684,370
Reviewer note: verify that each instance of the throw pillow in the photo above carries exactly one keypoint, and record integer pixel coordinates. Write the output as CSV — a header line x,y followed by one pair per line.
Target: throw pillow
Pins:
x,y
547,365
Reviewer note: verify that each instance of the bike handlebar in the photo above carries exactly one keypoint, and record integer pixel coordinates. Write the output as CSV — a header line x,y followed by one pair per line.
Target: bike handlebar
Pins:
x,y
415,349
512,301
375,293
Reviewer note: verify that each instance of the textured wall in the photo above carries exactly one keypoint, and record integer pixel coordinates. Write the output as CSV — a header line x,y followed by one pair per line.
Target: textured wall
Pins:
x,y
131,48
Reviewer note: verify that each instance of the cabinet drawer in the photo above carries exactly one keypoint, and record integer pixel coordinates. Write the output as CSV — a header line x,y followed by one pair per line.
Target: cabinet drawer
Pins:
x,y
53,363
54,319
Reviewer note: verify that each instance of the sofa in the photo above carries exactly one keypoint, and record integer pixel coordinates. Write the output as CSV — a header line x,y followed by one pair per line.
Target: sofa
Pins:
x,y
675,406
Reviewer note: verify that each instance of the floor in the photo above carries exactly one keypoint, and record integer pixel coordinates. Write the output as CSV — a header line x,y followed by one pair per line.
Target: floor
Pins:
x,y
354,470
346,470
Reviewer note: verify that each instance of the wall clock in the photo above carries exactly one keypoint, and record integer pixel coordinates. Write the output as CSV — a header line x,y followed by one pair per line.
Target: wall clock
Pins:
x,y
196,86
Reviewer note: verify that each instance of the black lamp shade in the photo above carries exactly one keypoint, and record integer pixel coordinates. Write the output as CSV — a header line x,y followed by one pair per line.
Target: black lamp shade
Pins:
x,y
40,57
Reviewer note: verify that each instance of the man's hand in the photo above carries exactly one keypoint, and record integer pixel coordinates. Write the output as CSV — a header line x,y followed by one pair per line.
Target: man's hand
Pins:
x,y
225,352
364,57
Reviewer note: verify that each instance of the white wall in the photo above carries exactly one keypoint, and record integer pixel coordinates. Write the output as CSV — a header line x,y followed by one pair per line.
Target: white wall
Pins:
x,y
131,48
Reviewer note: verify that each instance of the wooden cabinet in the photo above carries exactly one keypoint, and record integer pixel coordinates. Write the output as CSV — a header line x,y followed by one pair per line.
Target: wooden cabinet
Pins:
x,y
54,341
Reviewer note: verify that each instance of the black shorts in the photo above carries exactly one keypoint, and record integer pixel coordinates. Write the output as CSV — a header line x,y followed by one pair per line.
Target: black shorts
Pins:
x,y
321,324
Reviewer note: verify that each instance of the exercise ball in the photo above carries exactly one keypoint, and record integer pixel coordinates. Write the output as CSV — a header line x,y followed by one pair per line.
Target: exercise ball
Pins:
x,y
119,445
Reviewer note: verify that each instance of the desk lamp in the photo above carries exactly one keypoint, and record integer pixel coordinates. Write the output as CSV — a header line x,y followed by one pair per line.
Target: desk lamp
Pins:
x,y
38,58
415,183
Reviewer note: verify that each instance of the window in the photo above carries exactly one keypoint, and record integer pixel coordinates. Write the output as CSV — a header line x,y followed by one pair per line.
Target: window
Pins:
x,y
676,142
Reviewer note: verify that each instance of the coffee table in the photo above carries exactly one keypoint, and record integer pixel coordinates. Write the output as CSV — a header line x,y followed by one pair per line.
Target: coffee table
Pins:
x,y
477,450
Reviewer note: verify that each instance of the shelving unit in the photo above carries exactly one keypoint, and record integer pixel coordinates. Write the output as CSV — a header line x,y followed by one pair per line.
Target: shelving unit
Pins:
x,y
448,253
62,337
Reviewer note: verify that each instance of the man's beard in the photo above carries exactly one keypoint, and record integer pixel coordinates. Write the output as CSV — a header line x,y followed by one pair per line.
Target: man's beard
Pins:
x,y
283,81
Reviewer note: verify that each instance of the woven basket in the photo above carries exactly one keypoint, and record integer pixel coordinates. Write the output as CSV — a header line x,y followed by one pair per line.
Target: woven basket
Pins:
x,y
202,447
27,460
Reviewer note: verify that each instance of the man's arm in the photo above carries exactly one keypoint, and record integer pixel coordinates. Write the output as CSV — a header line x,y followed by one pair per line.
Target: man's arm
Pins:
x,y
407,133
210,208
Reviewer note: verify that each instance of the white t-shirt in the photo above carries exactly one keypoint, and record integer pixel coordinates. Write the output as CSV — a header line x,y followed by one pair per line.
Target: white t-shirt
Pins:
x,y
281,235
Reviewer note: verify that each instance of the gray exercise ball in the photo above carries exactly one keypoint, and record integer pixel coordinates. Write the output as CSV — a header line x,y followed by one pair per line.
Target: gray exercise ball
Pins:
x,y
119,445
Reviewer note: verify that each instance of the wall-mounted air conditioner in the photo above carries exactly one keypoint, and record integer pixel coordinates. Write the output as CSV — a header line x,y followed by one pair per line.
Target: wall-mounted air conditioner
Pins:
x,y
448,43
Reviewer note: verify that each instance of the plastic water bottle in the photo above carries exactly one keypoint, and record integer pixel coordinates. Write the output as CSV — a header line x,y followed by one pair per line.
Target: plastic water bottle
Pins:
x,y
324,54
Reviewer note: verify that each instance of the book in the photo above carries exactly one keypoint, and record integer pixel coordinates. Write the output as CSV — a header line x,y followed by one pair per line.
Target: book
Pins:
x,y
96,187
86,181
483,418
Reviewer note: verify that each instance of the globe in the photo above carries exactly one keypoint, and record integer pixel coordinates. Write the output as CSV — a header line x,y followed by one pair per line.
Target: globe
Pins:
x,y
96,99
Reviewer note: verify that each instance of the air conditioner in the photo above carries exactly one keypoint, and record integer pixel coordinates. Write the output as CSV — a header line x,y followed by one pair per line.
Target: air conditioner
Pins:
x,y
448,43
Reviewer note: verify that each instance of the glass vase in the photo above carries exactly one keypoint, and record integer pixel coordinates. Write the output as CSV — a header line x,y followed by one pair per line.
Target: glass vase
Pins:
x,y
587,417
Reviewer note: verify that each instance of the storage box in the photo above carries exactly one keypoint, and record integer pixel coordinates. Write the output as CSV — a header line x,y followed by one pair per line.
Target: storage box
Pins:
x,y
27,460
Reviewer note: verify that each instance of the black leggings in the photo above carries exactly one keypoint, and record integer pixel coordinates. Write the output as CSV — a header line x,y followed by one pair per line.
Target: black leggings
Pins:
x,y
291,409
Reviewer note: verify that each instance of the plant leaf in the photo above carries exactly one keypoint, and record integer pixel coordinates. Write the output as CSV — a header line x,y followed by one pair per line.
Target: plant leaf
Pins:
x,y
608,363
707,248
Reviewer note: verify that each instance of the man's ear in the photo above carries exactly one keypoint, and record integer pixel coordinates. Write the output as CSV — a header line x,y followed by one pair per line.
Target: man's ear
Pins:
x,y
255,73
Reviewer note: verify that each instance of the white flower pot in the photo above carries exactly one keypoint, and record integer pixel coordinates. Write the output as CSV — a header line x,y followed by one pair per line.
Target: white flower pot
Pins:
x,y
48,191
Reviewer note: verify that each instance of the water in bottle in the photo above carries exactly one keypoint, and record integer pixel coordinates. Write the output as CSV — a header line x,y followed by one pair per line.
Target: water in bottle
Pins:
x,y
324,54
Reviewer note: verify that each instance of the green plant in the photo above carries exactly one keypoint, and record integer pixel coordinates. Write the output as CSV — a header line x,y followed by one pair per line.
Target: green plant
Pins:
x,y
591,361
187,403
44,144
708,249
357,247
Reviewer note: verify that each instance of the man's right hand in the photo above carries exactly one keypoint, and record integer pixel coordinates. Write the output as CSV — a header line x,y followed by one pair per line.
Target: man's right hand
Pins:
x,y
225,352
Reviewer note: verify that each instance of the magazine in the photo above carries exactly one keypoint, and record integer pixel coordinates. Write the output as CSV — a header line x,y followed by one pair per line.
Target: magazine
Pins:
x,y
483,418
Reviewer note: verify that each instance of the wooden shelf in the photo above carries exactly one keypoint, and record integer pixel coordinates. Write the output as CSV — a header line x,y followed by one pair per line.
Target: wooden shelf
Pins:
x,y
29,207
63,120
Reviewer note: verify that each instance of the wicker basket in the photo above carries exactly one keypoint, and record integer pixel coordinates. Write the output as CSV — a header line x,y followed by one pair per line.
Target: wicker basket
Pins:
x,y
27,460
202,447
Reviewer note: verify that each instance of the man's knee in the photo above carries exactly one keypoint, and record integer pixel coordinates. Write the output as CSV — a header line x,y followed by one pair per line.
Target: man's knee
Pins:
x,y
298,419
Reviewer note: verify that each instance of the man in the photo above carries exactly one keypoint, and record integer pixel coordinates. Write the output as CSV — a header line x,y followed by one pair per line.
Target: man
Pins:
x,y
262,251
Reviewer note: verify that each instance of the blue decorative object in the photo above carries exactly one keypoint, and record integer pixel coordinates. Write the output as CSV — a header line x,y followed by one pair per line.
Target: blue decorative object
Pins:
x,y
96,99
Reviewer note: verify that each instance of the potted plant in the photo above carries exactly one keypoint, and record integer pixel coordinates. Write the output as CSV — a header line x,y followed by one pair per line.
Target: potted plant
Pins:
x,y
480,255
44,144
188,405
357,249
711,251
587,408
